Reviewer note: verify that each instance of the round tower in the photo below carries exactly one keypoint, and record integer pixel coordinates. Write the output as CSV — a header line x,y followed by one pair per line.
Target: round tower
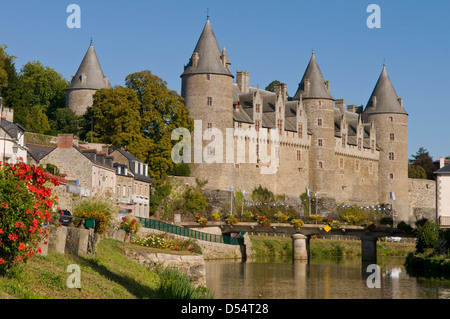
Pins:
x,y
318,103
207,89
385,109
88,79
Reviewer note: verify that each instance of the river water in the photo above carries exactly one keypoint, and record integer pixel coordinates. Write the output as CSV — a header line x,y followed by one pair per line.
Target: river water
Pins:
x,y
321,278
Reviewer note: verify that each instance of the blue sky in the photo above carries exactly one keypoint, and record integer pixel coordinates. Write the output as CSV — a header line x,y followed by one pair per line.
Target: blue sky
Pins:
x,y
272,40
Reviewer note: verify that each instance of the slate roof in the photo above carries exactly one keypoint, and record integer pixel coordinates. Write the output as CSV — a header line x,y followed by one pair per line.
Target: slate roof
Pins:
x,y
130,157
386,98
90,67
317,87
209,55
444,170
11,128
37,152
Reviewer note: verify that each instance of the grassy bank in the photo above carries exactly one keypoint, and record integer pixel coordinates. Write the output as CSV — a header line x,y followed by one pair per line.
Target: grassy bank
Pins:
x,y
109,275
282,247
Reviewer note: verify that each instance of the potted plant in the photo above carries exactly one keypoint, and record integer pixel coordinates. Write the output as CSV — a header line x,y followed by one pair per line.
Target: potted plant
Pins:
x,y
216,216
201,220
231,220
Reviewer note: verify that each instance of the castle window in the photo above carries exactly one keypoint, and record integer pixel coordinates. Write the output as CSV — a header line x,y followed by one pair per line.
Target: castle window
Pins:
x,y
391,156
319,122
239,124
320,165
359,144
209,126
341,162
299,155
209,101
279,109
344,140
238,105
280,126
357,166
370,167
257,126
391,136
300,130
372,146
208,77
391,119
320,142
257,108
391,176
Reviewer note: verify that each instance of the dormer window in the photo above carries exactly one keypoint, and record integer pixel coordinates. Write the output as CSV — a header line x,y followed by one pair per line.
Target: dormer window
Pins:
x,y
257,108
238,106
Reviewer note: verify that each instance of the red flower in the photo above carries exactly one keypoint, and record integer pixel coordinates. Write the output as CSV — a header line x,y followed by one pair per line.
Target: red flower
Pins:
x,y
39,250
21,246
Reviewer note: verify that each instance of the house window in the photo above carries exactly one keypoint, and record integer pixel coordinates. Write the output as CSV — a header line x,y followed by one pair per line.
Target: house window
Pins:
x,y
391,136
300,130
391,156
209,101
257,108
344,140
319,122
299,155
320,142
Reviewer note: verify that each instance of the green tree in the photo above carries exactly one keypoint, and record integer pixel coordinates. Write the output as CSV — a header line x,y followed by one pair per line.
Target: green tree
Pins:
x,y
6,62
423,159
416,172
271,86
65,121
116,120
161,111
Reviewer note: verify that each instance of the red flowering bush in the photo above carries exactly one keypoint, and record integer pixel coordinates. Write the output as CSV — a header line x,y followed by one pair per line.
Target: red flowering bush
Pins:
x,y
25,204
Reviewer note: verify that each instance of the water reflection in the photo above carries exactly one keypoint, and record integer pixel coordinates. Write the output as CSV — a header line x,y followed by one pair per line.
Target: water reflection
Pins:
x,y
321,278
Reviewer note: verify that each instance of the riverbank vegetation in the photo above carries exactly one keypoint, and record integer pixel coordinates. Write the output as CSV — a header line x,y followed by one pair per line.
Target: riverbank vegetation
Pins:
x,y
276,246
108,275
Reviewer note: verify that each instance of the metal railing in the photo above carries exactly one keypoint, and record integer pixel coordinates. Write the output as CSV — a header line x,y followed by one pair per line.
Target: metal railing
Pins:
x,y
186,232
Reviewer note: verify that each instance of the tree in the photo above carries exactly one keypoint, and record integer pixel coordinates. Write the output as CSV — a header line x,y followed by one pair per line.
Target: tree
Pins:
x,y
424,160
65,121
37,87
416,172
271,86
161,111
5,62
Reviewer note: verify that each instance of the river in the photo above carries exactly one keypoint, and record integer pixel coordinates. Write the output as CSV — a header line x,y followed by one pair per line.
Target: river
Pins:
x,y
321,278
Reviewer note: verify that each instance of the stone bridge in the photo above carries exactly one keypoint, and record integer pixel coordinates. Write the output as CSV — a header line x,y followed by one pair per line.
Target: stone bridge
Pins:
x,y
301,235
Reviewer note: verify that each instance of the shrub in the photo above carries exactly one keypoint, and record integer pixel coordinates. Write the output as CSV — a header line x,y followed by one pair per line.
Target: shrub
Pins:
x,y
97,208
194,201
427,236
216,216
387,221
247,216
316,218
25,203
130,224
353,216
281,217
405,227
231,220
297,222
201,220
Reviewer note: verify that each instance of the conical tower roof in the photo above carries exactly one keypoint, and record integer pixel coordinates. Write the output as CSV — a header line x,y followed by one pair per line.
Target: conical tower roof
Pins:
x,y
89,74
384,99
209,55
317,88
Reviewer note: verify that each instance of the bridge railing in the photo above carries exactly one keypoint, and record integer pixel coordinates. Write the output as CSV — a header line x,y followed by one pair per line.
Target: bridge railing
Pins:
x,y
186,232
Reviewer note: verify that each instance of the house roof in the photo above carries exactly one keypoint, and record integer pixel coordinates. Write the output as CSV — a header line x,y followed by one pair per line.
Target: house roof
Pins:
x,y
209,55
131,158
37,152
11,128
444,170
387,100
91,69
317,87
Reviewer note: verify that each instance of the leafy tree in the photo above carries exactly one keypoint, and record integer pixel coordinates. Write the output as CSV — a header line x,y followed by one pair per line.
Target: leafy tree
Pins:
x,y
7,69
116,120
161,111
271,86
423,159
65,121
416,172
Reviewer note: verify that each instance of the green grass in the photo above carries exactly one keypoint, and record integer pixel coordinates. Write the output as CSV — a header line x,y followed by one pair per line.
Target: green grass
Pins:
x,y
108,275
274,246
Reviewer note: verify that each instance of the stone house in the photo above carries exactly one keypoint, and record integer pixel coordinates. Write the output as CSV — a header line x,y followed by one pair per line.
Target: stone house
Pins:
x,y
132,184
442,193
12,146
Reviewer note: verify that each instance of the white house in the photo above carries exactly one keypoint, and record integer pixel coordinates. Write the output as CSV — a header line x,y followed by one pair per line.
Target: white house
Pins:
x,y
443,193
11,137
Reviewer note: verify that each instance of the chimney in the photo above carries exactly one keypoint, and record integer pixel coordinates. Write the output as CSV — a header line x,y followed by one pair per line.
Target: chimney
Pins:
x,y
340,104
65,140
351,108
441,162
400,101
280,88
327,85
243,81
194,59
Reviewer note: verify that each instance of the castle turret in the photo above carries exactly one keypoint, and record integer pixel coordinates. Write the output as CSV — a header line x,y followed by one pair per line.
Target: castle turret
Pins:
x,y
318,103
207,89
88,79
386,111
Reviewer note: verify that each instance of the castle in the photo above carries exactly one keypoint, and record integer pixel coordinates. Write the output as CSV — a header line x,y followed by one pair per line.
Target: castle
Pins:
x,y
344,154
